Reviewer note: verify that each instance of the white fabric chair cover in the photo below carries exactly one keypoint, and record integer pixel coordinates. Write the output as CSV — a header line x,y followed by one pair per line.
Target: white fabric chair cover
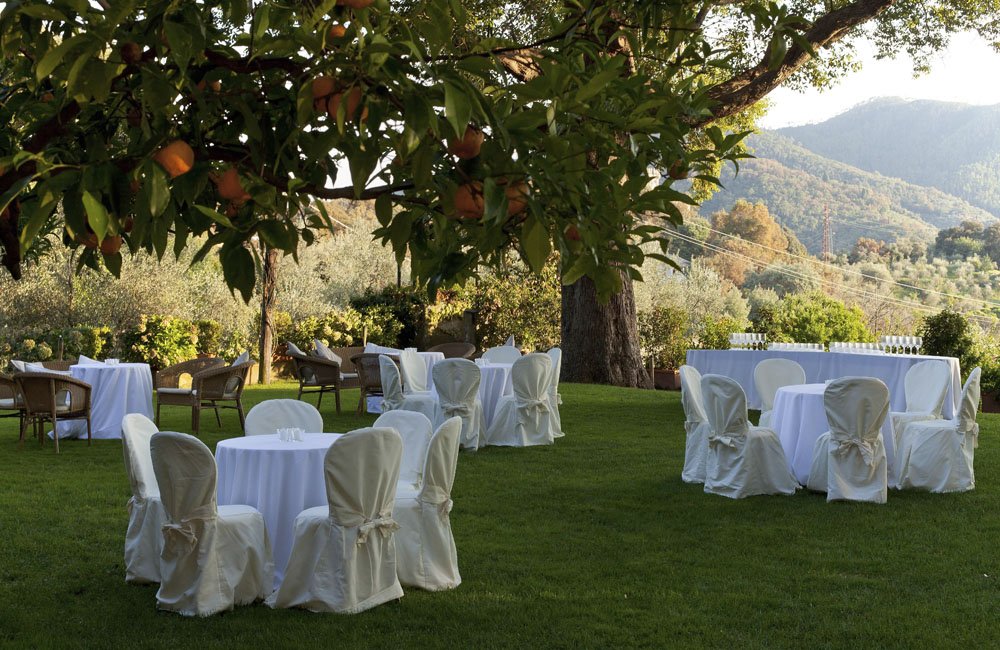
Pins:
x,y
393,397
425,548
344,555
457,384
938,455
743,460
926,386
524,418
849,461
146,516
555,399
415,430
510,341
273,414
414,372
213,557
502,354
695,425
768,376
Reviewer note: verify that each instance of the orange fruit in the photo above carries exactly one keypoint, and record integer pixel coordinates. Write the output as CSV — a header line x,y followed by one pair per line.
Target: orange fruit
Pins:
x,y
229,186
232,210
355,4
469,145
336,31
572,233
214,85
111,245
127,226
133,187
323,86
677,171
133,117
353,101
88,239
48,97
130,52
468,200
177,158
517,198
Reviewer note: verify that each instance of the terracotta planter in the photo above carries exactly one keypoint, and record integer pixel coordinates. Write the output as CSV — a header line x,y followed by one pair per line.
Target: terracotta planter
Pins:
x,y
991,403
666,380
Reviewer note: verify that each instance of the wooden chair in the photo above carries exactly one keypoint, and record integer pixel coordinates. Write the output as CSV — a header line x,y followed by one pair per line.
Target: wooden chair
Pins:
x,y
11,404
216,383
42,394
317,375
455,350
369,376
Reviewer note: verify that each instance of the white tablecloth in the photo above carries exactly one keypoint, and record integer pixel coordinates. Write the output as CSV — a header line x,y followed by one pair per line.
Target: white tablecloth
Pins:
x,y
281,479
115,392
820,366
430,358
494,384
799,419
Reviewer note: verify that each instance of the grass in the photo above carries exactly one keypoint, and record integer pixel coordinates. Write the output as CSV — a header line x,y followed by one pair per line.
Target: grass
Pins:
x,y
593,542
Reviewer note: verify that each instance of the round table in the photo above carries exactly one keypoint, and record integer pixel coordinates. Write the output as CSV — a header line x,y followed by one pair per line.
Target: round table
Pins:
x,y
281,479
116,391
494,384
799,419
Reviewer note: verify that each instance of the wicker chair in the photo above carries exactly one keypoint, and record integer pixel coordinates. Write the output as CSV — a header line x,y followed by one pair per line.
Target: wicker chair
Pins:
x,y
11,404
214,384
61,366
455,350
317,375
40,392
369,376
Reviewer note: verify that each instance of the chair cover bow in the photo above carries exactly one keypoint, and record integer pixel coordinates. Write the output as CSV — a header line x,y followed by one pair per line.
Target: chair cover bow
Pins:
x,y
727,439
461,410
444,508
182,532
384,525
864,448
974,430
541,405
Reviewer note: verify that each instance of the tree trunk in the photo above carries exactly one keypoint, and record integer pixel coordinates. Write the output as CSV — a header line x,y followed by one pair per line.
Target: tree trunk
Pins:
x,y
268,288
600,343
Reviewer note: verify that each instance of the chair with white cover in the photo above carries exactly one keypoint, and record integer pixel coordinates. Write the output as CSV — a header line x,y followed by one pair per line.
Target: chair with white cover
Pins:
x,y
414,373
502,354
457,384
394,398
146,516
415,430
426,556
344,556
273,414
743,460
555,399
849,461
524,418
926,386
213,557
695,425
938,455
768,376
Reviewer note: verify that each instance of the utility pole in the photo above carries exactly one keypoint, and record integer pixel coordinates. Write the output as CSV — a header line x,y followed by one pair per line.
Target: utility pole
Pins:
x,y
827,253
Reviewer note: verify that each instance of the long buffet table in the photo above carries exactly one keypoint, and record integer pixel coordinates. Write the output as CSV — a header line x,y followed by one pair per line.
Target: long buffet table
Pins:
x,y
820,366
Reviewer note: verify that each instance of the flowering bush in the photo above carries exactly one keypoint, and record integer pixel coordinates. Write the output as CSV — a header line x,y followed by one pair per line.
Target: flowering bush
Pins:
x,y
160,341
43,345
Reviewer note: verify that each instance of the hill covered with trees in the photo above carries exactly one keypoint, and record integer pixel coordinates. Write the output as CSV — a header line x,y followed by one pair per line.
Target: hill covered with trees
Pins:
x,y
797,184
950,146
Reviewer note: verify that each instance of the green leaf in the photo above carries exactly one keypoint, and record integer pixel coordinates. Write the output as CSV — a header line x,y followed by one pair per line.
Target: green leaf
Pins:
x,y
159,193
600,81
277,235
39,215
53,57
97,216
217,217
457,107
383,209
238,268
304,104
113,263
535,244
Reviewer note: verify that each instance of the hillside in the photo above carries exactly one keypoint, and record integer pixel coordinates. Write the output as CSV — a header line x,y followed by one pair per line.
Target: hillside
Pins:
x,y
796,183
952,147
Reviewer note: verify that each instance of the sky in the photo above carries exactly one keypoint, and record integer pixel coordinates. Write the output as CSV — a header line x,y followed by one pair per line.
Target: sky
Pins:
x,y
957,75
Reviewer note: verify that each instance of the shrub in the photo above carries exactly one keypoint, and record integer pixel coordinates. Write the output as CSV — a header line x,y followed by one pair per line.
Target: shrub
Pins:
x,y
661,336
43,345
403,305
521,303
160,341
209,336
947,334
715,332
817,318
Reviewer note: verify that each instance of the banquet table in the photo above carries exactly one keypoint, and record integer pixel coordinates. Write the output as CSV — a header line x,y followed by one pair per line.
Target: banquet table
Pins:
x,y
799,419
116,391
821,366
495,382
430,358
281,479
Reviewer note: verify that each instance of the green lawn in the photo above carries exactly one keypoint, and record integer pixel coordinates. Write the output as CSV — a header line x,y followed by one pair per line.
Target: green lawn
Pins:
x,y
593,542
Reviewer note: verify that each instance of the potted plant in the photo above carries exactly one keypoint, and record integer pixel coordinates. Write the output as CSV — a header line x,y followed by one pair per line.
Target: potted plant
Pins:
x,y
664,345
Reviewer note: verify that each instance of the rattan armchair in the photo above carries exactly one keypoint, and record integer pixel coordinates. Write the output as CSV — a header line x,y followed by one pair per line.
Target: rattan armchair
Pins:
x,y
369,375
455,350
11,404
216,382
317,375
41,392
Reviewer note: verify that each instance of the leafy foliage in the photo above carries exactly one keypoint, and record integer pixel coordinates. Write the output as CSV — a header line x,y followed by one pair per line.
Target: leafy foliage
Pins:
x,y
661,335
815,318
209,336
947,334
403,308
160,341
43,345
521,303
